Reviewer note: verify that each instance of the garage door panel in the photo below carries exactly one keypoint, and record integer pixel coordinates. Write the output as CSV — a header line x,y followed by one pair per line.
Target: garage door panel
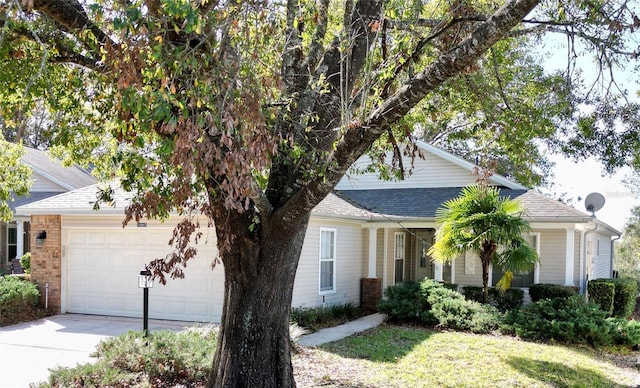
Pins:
x,y
101,276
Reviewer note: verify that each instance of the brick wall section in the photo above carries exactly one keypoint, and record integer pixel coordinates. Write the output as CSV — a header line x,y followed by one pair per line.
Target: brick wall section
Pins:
x,y
46,258
371,294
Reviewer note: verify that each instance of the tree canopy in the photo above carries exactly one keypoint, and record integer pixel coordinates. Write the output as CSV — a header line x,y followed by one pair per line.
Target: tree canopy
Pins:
x,y
627,251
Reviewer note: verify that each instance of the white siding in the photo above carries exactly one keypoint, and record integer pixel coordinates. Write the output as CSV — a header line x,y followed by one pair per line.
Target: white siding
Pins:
x,y
350,255
40,183
601,259
432,171
552,256
466,277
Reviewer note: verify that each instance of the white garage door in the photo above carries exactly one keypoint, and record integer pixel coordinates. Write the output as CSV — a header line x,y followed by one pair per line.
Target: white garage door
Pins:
x,y
101,276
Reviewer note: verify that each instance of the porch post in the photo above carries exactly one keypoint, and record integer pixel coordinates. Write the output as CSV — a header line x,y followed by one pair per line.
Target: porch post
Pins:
x,y
453,271
437,271
373,233
385,256
569,257
19,238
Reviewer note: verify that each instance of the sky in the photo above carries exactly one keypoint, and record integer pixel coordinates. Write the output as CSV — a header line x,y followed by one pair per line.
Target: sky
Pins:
x,y
577,180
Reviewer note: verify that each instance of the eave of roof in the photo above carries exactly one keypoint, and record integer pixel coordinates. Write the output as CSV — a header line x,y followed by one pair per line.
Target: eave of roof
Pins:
x,y
375,205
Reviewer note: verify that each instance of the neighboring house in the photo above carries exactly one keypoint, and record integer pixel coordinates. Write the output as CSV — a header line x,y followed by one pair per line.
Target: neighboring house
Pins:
x,y
366,235
49,178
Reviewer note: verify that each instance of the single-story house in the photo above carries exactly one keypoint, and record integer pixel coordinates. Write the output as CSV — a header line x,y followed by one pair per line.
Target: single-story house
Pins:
x,y
50,178
366,235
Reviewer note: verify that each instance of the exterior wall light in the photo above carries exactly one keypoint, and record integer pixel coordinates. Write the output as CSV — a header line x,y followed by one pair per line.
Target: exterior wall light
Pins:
x,y
40,237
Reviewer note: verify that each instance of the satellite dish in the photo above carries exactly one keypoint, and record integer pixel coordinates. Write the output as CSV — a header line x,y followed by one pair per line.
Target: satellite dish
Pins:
x,y
594,202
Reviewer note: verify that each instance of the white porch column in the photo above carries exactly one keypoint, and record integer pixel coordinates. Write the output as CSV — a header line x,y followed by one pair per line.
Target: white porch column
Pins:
x,y
437,271
19,238
385,256
453,271
373,233
569,257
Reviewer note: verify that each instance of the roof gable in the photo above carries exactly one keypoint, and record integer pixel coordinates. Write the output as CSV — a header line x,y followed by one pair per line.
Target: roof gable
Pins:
x,y
436,168
51,176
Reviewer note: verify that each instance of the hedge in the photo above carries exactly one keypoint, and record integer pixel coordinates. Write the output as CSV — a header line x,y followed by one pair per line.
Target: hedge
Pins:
x,y
626,293
603,294
504,301
541,291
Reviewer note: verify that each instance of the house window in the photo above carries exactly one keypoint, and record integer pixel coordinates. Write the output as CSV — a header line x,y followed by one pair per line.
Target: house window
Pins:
x,y
520,279
399,257
12,241
602,248
327,260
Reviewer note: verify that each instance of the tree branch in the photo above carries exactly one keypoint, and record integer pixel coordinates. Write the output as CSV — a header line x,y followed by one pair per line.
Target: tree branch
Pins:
x,y
357,139
71,15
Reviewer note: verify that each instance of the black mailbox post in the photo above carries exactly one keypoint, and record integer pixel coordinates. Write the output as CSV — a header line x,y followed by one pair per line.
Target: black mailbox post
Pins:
x,y
145,281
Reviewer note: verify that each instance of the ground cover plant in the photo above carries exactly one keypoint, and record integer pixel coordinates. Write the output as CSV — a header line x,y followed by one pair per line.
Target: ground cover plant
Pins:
x,y
163,359
315,318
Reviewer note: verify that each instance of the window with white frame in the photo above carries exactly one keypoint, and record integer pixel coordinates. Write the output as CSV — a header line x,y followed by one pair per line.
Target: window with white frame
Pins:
x,y
12,241
327,260
399,253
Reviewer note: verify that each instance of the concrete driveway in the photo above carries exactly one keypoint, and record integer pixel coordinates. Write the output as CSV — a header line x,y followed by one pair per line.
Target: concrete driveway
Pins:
x,y
28,350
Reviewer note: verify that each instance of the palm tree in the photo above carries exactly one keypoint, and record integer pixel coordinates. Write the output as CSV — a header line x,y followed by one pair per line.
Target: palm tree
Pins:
x,y
480,221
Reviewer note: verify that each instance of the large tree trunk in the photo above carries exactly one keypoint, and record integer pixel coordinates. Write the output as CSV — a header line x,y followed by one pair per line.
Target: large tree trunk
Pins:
x,y
253,346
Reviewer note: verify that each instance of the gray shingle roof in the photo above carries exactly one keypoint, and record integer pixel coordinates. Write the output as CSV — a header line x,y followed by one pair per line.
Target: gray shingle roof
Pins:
x,y
79,201
32,197
423,202
417,203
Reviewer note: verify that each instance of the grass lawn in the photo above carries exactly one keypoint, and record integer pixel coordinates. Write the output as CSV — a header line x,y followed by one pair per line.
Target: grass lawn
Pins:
x,y
391,356
387,356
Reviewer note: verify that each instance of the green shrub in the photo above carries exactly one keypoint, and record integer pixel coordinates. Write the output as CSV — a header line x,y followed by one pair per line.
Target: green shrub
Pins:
x,y
568,320
541,291
164,358
406,302
602,293
624,301
503,301
625,332
451,286
625,295
314,318
25,262
433,304
453,311
18,300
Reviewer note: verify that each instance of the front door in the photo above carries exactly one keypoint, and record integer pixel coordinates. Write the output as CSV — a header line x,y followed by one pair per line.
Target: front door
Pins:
x,y
424,264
